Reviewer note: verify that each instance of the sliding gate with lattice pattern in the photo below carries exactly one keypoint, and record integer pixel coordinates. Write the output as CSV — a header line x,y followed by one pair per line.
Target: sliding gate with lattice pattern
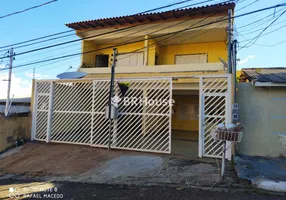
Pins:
x,y
74,112
215,108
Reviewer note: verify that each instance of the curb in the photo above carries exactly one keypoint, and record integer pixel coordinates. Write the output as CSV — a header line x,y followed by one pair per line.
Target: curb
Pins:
x,y
269,185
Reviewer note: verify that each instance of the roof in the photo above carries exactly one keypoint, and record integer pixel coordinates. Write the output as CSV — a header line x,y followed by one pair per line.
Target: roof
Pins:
x,y
18,100
192,12
273,75
15,109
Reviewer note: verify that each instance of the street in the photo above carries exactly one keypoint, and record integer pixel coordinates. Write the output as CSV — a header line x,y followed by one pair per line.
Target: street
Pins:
x,y
67,190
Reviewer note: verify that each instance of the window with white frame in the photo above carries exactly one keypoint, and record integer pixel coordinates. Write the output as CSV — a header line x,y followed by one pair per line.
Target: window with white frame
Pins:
x,y
190,58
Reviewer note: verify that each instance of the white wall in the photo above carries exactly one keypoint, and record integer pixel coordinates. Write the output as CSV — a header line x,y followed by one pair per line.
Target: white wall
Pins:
x,y
263,113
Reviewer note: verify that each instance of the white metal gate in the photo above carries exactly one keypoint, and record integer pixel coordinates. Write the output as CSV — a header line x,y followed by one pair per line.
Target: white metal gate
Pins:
x,y
73,111
215,101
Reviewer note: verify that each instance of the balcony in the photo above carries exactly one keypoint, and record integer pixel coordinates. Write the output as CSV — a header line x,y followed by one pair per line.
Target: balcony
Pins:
x,y
162,69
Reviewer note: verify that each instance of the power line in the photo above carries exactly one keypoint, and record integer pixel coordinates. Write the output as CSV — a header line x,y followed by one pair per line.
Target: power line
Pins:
x,y
249,44
71,41
267,33
65,56
11,45
27,9
247,5
51,46
163,29
166,39
150,38
271,45
47,36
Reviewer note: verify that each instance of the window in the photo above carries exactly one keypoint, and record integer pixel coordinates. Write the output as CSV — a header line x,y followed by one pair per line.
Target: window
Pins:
x,y
192,58
101,60
130,59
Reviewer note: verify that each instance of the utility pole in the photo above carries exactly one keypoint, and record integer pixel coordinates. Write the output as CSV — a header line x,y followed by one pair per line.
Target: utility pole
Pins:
x,y
234,67
111,95
9,82
34,73
229,36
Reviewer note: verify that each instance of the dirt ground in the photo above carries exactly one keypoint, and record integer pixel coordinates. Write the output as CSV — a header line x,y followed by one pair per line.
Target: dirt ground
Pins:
x,y
56,159
85,164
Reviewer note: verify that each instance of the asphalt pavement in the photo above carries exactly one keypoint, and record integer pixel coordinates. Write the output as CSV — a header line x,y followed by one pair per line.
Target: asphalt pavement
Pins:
x,y
68,190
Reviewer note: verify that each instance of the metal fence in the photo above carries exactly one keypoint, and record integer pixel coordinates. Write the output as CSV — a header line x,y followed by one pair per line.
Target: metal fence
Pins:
x,y
215,108
73,111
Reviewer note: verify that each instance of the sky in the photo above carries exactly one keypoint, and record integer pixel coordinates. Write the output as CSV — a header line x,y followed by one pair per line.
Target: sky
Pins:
x,y
52,18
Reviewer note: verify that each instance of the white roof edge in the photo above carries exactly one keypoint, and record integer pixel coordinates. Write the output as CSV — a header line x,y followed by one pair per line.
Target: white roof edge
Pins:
x,y
268,84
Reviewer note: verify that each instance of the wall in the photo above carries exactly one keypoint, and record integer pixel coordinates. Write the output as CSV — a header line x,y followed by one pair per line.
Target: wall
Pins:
x,y
212,49
89,58
13,128
263,113
167,54
184,125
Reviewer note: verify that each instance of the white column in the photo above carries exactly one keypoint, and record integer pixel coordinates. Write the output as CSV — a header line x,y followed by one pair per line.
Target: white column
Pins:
x,y
201,119
228,114
146,50
34,113
50,112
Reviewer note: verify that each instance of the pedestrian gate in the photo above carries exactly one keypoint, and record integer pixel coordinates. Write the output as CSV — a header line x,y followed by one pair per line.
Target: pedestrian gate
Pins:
x,y
215,108
73,111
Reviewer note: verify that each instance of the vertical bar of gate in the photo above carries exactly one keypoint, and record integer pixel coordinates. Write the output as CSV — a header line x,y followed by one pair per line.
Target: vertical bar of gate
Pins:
x,y
201,105
50,112
92,112
34,114
170,114
228,114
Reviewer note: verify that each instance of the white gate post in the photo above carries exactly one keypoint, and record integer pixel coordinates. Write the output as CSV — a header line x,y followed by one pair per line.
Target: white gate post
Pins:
x,y
170,115
92,113
228,115
34,114
50,112
201,107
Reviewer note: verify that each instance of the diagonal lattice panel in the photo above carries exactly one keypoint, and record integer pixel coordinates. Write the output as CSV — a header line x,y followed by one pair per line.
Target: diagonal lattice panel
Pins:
x,y
214,92
72,111
144,118
41,110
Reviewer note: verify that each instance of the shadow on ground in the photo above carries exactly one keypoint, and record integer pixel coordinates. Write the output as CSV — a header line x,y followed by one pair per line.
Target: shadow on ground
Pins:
x,y
84,164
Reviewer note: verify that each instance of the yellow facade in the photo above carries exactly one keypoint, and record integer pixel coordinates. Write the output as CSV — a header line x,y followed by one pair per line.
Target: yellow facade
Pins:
x,y
214,50
160,54
166,54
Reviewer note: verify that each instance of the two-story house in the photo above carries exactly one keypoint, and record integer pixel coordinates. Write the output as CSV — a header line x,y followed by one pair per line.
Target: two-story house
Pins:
x,y
182,47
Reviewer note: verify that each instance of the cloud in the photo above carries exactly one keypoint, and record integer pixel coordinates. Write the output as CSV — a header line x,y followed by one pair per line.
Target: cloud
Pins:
x,y
37,76
245,60
19,87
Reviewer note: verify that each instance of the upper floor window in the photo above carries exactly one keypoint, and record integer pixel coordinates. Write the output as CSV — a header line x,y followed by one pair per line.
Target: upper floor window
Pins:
x,y
130,59
101,60
191,58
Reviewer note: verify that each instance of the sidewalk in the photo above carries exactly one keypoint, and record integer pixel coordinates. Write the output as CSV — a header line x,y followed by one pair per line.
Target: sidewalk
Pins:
x,y
263,173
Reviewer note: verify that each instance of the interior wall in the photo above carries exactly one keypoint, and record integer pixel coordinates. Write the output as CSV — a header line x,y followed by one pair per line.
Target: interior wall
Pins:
x,y
185,120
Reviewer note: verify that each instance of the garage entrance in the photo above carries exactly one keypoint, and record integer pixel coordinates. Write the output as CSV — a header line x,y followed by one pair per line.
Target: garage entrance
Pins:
x,y
73,111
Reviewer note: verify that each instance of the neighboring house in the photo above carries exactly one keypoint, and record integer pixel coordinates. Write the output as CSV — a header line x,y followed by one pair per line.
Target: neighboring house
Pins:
x,y
179,45
18,106
17,125
262,98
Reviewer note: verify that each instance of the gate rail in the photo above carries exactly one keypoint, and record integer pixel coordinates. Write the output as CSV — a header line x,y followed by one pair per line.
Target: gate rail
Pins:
x,y
73,111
